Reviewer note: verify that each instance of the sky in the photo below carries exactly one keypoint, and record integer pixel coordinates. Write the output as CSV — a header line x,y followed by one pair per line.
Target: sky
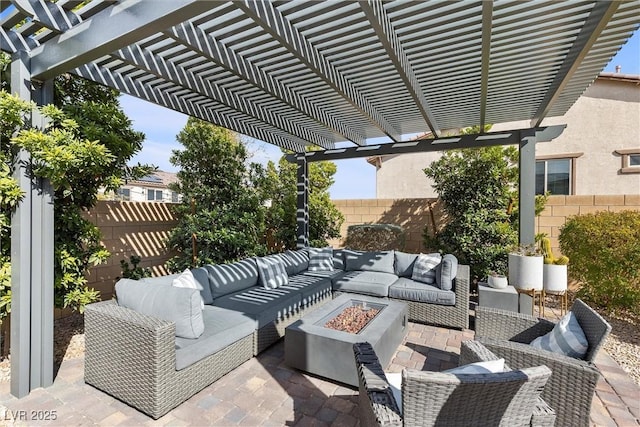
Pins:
x,y
161,125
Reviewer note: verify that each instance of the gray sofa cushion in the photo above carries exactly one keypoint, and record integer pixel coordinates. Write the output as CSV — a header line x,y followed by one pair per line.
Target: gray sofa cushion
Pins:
x,y
262,305
221,328
179,305
372,283
404,263
338,259
310,288
411,290
271,271
296,261
202,279
446,271
369,261
333,274
161,280
225,279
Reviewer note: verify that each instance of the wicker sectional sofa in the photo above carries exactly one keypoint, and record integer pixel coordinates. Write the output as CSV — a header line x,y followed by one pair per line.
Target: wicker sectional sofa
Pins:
x,y
158,344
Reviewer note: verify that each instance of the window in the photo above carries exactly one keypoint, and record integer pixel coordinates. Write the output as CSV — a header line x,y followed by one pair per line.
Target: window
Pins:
x,y
154,195
123,194
553,176
630,160
174,197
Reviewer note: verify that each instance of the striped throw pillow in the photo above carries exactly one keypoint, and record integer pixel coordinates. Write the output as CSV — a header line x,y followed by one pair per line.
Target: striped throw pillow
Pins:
x,y
424,270
271,272
321,259
566,338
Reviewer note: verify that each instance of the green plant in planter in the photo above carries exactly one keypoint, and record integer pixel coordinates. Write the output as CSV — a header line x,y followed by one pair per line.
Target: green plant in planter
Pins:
x,y
547,253
134,271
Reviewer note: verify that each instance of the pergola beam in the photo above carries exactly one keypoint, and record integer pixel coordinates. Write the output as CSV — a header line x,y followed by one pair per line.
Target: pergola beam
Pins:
x,y
421,145
597,21
380,23
487,25
111,29
266,15
194,38
145,60
152,94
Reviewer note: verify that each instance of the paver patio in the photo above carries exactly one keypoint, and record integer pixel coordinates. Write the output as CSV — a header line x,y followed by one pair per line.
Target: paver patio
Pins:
x,y
264,391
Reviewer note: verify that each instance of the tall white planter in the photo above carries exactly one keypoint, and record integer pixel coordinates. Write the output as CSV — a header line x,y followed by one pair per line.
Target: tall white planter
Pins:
x,y
526,272
555,278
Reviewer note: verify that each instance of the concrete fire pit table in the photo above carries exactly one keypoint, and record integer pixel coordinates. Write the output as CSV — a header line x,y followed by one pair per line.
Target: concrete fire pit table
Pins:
x,y
312,347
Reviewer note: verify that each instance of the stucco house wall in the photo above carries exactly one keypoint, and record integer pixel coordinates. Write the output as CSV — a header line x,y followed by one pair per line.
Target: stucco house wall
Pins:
x,y
605,119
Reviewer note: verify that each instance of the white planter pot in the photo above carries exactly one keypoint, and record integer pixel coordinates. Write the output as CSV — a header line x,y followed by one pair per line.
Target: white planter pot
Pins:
x,y
497,282
526,272
555,278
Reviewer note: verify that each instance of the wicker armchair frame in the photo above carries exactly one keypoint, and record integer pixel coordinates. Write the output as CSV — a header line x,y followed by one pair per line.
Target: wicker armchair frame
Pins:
x,y
573,382
442,399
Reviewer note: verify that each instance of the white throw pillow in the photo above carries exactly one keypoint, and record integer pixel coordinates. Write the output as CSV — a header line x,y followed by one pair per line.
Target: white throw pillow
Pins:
x,y
395,381
424,270
567,337
186,280
486,367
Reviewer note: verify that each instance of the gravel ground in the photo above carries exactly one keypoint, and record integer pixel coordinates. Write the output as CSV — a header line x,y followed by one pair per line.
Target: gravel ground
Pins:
x,y
623,344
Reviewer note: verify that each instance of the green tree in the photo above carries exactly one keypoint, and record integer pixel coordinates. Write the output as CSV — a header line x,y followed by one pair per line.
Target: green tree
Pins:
x,y
479,191
325,219
86,147
221,206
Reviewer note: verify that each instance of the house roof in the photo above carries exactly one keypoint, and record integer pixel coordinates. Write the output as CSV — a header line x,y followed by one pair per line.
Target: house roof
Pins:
x,y
159,178
301,72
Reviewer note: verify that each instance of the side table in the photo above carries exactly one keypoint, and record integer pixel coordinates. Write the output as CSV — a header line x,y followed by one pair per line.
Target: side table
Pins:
x,y
505,299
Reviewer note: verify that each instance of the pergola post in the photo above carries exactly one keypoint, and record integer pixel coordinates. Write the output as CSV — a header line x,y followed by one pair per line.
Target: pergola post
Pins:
x,y
302,212
32,250
527,190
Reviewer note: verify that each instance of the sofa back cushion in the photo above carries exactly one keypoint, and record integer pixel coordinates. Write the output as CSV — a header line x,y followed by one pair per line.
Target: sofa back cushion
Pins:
x,y
446,272
404,263
226,279
170,303
296,261
369,261
338,259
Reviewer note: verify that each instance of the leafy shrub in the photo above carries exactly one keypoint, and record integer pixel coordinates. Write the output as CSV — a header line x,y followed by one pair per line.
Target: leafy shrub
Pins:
x,y
375,237
604,249
133,270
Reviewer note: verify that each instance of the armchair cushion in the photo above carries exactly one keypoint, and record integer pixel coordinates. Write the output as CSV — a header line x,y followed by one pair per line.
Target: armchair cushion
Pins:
x,y
296,261
404,263
484,367
369,261
566,338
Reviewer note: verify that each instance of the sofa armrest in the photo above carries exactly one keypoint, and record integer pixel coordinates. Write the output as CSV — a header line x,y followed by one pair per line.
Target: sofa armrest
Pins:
x,y
128,354
462,284
508,325
377,404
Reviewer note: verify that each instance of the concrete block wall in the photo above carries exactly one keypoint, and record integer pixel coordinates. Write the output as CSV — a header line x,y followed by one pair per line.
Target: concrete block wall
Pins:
x,y
411,214
414,214
130,228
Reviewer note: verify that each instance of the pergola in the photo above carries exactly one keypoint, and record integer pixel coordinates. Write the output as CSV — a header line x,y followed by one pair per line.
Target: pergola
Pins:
x,y
299,73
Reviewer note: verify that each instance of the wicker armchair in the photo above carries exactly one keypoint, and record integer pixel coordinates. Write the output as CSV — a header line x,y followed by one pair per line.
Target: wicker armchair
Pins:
x,y
572,384
442,399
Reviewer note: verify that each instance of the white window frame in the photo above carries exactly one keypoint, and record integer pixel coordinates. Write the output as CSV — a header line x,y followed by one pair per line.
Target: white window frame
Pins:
x,y
572,167
625,155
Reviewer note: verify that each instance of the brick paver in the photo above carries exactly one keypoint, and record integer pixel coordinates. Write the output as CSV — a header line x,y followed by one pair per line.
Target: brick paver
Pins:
x,y
264,391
